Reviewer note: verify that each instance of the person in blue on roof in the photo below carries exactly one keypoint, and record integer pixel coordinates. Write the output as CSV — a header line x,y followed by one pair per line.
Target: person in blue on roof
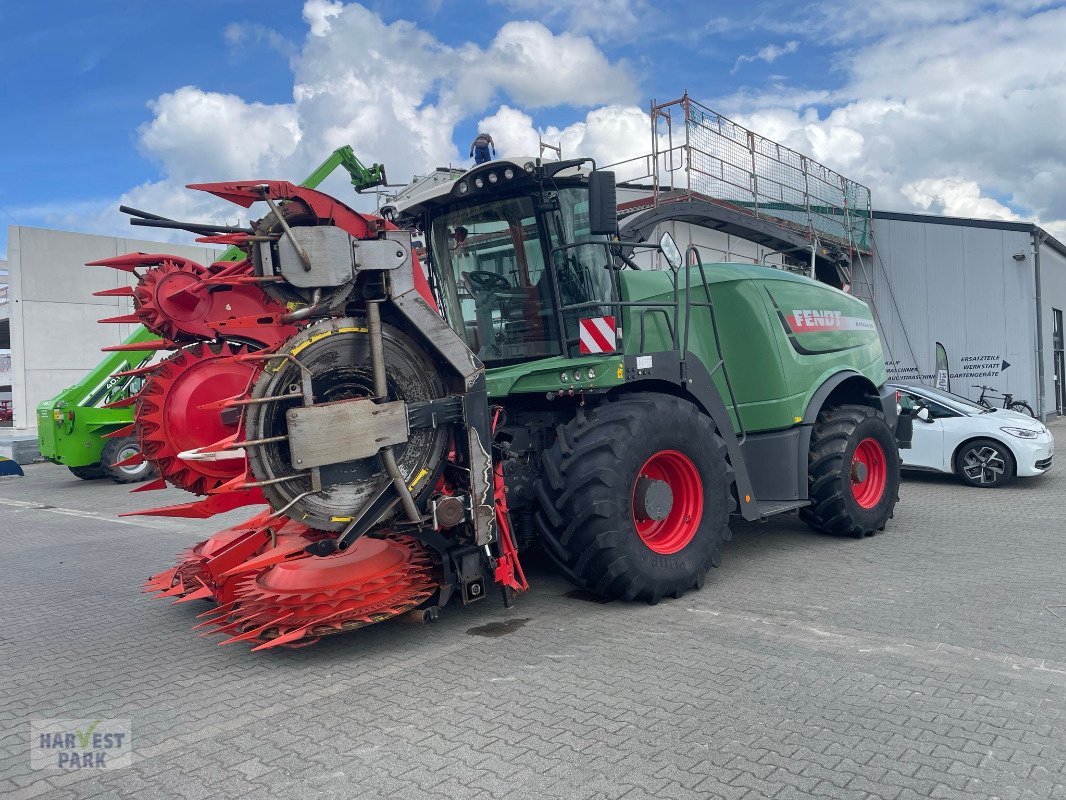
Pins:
x,y
479,148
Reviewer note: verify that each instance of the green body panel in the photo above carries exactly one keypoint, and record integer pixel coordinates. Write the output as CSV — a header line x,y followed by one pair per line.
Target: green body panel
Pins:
x,y
546,375
782,336
78,442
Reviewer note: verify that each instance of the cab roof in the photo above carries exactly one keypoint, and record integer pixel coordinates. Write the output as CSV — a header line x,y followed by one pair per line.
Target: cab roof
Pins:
x,y
523,169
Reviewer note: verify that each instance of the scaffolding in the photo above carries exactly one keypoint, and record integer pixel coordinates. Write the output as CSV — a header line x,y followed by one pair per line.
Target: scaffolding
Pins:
x,y
699,154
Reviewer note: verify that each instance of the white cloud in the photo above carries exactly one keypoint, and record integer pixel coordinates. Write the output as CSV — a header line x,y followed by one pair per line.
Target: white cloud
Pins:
x,y
769,54
196,133
318,13
601,19
610,135
956,106
953,107
955,197
397,98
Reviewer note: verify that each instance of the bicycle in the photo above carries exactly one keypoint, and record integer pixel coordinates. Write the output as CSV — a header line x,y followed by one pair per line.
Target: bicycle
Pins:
x,y
1009,402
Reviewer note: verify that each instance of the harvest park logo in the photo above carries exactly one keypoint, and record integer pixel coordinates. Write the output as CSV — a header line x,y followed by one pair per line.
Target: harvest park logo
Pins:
x,y
75,744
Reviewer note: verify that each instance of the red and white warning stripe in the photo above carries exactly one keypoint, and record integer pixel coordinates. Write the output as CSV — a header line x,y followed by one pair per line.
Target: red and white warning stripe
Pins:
x,y
598,335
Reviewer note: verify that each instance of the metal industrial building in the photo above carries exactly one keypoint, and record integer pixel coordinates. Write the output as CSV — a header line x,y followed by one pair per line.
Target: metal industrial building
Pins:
x,y
992,293
5,344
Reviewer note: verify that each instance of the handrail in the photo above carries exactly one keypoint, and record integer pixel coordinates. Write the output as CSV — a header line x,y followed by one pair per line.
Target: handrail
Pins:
x,y
709,305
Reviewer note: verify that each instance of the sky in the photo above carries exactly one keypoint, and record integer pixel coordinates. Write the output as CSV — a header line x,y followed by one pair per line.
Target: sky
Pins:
x,y
953,107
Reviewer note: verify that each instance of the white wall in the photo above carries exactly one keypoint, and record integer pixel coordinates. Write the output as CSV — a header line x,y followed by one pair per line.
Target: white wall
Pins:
x,y
55,336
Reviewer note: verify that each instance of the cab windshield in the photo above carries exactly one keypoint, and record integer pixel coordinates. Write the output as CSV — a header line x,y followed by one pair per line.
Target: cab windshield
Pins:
x,y
489,260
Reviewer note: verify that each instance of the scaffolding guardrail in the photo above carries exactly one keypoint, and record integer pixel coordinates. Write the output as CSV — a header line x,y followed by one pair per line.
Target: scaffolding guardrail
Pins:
x,y
698,153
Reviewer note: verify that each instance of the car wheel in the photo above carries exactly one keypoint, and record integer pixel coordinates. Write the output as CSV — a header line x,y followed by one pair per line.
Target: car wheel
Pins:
x,y
985,463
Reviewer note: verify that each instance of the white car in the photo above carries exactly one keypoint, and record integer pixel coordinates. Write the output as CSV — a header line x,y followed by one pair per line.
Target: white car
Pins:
x,y
985,447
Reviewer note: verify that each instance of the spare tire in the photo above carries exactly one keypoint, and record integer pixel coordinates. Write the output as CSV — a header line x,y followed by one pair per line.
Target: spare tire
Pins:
x,y
337,354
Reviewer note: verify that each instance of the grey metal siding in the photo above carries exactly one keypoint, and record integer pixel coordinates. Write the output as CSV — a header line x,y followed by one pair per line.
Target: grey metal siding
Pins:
x,y
1053,295
55,337
958,285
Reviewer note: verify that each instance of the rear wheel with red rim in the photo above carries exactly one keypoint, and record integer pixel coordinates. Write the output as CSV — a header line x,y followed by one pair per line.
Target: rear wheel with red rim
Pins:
x,y
853,472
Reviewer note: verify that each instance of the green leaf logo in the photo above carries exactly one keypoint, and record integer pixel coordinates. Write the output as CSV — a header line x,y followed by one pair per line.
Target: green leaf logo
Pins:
x,y
83,738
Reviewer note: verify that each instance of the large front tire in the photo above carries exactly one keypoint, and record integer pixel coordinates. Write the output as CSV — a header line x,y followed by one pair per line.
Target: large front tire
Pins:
x,y
852,472
117,450
89,472
634,498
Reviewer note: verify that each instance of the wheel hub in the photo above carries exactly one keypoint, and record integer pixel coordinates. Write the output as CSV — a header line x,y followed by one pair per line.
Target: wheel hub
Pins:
x,y
869,473
652,499
667,502
984,465
859,471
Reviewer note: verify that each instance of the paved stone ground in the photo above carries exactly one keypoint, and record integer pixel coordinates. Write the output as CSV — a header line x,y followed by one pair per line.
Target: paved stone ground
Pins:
x,y
929,661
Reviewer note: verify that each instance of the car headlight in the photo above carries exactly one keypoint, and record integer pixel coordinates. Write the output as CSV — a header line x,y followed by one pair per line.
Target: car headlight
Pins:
x,y
1021,433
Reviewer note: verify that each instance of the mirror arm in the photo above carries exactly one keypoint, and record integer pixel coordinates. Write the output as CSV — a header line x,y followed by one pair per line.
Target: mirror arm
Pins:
x,y
629,262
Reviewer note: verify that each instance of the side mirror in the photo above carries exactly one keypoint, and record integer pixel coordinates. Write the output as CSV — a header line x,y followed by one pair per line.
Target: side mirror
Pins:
x,y
923,414
603,204
670,251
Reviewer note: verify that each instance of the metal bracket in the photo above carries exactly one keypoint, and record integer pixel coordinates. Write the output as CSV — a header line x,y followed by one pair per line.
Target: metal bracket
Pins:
x,y
333,257
346,430
434,413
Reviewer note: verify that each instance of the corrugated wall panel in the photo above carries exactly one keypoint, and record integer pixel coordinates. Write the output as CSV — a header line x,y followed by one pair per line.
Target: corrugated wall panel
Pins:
x,y
960,286
1053,296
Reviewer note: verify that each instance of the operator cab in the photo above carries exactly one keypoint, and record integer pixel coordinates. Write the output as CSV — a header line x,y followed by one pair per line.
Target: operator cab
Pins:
x,y
512,249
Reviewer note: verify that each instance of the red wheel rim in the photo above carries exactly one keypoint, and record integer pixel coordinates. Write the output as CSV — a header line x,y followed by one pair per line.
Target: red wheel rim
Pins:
x,y
673,533
869,473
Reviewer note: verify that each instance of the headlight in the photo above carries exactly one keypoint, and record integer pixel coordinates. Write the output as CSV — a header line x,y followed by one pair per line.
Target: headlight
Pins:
x,y
479,183
508,173
1021,433
493,177
464,187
